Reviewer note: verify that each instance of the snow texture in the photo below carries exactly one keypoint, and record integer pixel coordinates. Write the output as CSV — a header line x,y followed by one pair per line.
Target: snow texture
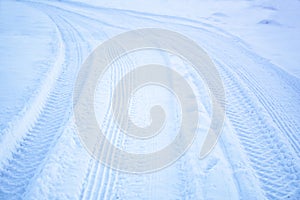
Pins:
x,y
255,46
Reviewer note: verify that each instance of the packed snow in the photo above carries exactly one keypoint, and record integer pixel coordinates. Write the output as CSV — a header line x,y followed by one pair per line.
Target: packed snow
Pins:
x,y
255,46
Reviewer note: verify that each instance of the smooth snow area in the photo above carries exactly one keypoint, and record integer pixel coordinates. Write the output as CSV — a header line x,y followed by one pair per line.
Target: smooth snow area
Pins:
x,y
268,27
255,46
28,43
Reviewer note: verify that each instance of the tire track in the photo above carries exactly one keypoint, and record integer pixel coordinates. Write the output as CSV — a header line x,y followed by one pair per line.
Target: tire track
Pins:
x,y
97,173
271,159
24,122
275,110
262,139
31,153
98,178
80,15
286,124
95,178
101,181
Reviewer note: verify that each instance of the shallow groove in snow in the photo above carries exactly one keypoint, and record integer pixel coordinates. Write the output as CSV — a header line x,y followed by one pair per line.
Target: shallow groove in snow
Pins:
x,y
261,127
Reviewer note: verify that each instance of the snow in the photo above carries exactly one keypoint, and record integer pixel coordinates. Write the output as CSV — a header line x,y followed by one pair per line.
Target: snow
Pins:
x,y
269,27
255,47
24,58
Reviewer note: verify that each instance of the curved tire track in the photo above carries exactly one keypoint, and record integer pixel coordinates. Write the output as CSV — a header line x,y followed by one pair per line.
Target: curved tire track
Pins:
x,y
269,154
31,153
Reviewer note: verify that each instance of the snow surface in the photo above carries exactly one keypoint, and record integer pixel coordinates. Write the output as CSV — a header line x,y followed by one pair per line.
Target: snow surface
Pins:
x,y
254,45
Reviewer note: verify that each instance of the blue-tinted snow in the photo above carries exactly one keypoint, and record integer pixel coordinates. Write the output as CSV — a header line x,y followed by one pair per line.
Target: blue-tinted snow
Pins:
x,y
254,45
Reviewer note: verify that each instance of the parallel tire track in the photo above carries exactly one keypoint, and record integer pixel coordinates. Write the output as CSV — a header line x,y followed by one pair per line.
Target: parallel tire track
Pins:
x,y
275,110
269,153
270,157
31,153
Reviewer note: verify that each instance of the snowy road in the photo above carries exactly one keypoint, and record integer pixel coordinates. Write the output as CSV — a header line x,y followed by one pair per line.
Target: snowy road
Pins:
x,y
41,156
